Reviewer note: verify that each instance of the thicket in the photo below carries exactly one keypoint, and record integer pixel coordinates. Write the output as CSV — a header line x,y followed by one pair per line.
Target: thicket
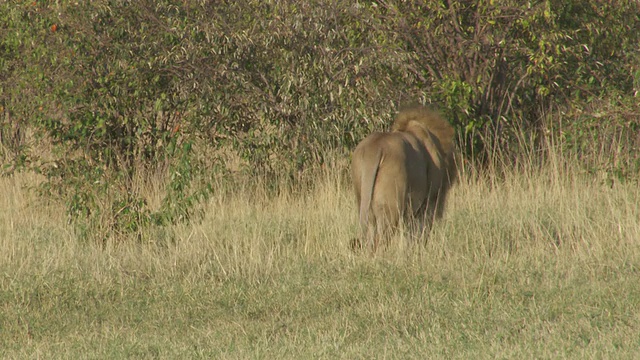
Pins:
x,y
102,96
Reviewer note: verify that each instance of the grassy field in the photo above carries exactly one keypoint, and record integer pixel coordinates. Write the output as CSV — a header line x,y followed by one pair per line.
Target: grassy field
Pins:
x,y
528,264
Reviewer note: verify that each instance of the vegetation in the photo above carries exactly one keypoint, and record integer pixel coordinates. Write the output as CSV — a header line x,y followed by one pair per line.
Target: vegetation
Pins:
x,y
103,97
174,179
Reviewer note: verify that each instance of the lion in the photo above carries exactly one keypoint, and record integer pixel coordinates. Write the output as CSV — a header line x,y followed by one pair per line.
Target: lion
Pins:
x,y
404,174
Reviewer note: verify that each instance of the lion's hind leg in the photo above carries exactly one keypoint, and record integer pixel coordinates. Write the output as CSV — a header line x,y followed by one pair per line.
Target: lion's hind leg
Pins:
x,y
387,220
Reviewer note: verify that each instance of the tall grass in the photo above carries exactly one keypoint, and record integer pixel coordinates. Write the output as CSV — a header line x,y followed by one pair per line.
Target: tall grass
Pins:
x,y
539,261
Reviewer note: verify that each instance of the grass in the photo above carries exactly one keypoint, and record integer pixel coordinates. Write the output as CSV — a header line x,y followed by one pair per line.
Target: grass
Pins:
x,y
533,264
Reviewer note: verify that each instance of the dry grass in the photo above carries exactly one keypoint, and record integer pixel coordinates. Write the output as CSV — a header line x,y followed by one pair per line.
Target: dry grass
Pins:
x,y
540,264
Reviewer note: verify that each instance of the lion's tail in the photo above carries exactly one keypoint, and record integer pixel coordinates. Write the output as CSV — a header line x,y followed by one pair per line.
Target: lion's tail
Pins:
x,y
368,181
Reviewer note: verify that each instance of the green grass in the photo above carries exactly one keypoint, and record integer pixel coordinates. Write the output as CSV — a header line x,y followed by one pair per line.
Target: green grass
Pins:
x,y
525,265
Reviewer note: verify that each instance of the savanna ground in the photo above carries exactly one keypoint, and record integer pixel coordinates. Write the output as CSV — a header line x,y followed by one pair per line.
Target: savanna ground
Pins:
x,y
538,262
123,122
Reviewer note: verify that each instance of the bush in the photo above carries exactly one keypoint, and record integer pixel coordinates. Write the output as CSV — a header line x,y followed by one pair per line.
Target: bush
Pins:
x,y
125,90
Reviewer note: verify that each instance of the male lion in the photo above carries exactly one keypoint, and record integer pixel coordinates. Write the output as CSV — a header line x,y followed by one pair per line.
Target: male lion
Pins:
x,y
403,174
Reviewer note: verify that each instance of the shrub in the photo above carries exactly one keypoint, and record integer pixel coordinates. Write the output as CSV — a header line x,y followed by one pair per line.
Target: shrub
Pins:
x,y
127,91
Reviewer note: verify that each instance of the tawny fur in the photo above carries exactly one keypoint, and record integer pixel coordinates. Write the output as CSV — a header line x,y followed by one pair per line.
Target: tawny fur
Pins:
x,y
403,175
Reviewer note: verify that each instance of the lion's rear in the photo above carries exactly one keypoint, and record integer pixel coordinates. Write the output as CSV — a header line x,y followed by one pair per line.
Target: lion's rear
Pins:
x,y
394,173
379,165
